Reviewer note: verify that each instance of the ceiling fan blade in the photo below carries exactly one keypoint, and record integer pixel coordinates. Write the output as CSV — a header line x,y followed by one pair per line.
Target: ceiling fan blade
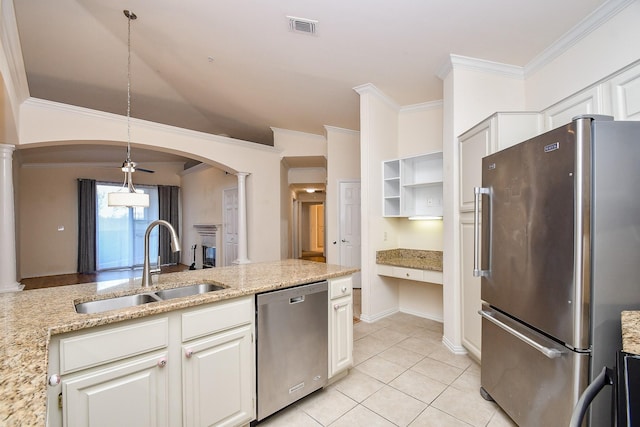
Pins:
x,y
145,170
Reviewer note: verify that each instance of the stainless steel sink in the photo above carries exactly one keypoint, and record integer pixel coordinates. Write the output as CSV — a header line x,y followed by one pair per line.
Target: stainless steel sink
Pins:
x,y
185,291
108,304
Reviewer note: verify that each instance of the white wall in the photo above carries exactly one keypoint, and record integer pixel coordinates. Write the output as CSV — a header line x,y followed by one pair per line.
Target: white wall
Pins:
x,y
43,122
343,164
605,50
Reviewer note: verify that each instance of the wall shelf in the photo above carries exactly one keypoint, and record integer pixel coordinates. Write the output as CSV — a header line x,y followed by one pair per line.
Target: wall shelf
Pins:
x,y
412,186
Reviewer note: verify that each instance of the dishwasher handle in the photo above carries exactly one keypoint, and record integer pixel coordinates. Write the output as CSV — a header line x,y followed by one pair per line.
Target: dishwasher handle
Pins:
x,y
296,300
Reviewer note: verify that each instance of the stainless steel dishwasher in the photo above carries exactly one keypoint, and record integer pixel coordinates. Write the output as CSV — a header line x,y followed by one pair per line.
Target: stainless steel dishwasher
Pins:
x,y
291,348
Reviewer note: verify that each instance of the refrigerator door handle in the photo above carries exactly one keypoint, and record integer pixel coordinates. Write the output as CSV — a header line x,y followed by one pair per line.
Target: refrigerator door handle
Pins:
x,y
477,193
551,353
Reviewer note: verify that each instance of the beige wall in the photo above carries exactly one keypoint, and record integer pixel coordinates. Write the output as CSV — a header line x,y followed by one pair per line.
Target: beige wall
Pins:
x,y
48,201
343,164
202,203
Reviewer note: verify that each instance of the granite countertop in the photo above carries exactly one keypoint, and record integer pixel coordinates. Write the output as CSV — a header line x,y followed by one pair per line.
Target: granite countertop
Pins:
x,y
411,258
29,318
630,331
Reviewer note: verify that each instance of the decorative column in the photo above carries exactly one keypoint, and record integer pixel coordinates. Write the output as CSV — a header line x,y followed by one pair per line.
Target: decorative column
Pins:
x,y
242,219
7,222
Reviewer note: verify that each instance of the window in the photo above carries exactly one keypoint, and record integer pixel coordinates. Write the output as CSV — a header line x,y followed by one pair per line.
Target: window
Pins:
x,y
120,230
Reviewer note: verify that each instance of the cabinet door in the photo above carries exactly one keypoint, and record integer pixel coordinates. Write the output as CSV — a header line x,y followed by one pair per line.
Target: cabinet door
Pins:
x,y
130,393
470,289
625,94
589,101
474,145
218,380
340,334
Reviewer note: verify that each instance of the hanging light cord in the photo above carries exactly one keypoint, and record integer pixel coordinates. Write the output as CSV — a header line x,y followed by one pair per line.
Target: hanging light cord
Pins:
x,y
130,16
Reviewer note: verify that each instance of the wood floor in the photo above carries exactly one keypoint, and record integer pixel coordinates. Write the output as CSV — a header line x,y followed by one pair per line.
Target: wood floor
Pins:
x,y
76,278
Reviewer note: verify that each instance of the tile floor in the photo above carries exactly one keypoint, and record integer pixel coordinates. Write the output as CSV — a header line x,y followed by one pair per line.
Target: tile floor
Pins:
x,y
403,376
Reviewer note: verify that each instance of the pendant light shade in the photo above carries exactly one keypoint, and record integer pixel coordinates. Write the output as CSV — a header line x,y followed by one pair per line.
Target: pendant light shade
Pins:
x,y
128,196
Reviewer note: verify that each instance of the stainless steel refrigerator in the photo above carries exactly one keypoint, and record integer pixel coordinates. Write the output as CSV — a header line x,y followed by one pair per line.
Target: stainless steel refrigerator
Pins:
x,y
560,259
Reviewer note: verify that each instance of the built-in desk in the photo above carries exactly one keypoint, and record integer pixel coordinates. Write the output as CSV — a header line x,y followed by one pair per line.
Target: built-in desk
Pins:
x,y
410,264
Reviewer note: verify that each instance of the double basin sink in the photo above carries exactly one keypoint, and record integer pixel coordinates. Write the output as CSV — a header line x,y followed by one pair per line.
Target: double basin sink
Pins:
x,y
115,303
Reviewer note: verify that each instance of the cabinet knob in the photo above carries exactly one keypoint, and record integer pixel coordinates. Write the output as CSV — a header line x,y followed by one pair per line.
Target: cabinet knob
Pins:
x,y
162,362
344,289
188,353
54,380
408,275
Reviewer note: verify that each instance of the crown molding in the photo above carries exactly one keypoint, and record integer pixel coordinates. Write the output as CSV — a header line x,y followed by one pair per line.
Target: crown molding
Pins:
x,y
145,124
13,52
297,133
585,27
341,130
370,89
423,106
459,61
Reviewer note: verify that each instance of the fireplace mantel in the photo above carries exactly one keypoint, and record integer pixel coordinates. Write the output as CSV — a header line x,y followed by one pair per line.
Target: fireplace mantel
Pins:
x,y
206,229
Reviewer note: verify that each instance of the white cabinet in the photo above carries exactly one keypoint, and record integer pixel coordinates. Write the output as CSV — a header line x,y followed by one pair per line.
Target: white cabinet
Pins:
x,y
409,273
625,94
340,325
188,367
588,101
470,290
134,392
218,375
412,186
499,131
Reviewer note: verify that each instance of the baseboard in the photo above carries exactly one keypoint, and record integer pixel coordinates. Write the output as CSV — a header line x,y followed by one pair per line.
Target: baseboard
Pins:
x,y
455,349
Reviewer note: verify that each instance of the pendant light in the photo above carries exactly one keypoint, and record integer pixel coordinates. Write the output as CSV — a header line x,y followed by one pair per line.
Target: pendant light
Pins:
x,y
128,196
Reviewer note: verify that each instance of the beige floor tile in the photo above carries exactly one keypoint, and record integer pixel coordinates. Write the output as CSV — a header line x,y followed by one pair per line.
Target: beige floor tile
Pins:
x,y
371,345
380,369
395,406
291,416
401,356
360,355
435,338
500,419
389,336
362,329
437,370
358,386
443,354
418,386
466,406
327,406
417,344
469,381
361,417
432,417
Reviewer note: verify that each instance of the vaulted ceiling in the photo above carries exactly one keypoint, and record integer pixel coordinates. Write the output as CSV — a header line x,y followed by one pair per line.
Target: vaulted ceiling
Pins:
x,y
235,67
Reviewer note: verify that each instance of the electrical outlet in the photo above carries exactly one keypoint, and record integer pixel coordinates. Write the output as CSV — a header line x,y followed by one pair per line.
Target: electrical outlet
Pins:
x,y
385,236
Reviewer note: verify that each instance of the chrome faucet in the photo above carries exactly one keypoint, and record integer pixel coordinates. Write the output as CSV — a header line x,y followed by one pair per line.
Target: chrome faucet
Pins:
x,y
175,247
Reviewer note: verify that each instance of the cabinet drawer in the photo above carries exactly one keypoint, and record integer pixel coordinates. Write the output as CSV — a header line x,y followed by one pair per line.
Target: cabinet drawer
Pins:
x,y
340,287
432,276
92,349
221,316
408,273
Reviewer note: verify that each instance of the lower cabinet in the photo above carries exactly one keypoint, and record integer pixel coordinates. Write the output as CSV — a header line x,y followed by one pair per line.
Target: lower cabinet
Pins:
x,y
132,393
218,379
189,367
340,325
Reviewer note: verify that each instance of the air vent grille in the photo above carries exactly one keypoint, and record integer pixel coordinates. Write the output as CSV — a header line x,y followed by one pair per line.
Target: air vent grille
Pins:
x,y
302,25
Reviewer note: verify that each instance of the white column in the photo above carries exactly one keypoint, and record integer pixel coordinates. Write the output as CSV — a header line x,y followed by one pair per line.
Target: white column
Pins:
x,y
7,222
242,219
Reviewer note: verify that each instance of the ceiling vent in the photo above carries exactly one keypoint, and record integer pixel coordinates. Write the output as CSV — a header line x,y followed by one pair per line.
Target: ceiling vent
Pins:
x,y
302,25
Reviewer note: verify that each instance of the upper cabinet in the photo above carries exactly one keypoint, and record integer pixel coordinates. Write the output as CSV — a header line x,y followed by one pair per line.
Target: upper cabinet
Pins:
x,y
412,186
497,132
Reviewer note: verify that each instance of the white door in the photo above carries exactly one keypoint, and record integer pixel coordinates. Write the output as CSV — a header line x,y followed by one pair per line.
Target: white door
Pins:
x,y
230,226
349,238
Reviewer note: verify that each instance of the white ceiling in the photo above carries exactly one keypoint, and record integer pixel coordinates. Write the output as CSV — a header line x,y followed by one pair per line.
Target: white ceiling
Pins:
x,y
233,66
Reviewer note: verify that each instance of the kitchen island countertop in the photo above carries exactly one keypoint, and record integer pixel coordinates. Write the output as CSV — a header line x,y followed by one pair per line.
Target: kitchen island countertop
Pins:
x,y
28,319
